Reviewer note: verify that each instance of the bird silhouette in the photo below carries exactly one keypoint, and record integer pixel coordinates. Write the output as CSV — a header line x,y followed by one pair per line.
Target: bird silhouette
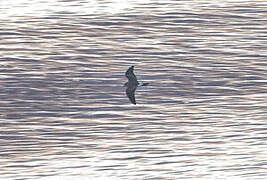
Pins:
x,y
132,84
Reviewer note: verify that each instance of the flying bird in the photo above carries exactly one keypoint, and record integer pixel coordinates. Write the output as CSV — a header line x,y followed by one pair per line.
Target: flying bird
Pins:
x,y
132,84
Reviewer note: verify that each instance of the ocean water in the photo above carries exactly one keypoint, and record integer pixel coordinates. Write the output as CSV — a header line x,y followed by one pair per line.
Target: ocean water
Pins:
x,y
64,113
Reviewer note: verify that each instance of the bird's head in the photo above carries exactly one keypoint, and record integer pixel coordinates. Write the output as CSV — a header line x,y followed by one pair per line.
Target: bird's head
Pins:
x,y
125,84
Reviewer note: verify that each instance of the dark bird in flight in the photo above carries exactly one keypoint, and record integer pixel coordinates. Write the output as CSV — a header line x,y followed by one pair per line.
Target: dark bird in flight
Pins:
x,y
132,84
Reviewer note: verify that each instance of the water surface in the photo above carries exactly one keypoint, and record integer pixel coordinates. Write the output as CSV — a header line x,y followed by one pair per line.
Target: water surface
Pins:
x,y
64,113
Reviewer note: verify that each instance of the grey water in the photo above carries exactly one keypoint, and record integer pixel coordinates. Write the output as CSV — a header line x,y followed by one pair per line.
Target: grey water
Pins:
x,y
64,113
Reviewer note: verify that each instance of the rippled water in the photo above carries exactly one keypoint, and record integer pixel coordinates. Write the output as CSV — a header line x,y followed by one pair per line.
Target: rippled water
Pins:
x,y
64,113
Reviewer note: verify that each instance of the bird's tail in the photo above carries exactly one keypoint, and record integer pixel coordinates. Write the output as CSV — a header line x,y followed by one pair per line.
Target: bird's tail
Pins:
x,y
145,84
142,84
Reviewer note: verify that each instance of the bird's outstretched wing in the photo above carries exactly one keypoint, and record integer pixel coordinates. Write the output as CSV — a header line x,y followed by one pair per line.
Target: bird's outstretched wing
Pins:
x,y
130,93
130,74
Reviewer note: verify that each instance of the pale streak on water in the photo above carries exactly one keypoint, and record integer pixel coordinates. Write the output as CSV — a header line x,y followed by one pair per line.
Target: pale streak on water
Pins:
x,y
64,113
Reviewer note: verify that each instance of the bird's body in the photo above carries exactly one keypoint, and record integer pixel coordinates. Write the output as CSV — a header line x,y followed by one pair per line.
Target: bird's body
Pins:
x,y
132,84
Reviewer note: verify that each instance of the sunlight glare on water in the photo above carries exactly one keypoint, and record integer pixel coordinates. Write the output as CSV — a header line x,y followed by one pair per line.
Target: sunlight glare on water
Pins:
x,y
27,8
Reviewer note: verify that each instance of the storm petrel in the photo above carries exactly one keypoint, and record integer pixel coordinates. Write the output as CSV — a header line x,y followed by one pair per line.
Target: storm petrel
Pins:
x,y
132,84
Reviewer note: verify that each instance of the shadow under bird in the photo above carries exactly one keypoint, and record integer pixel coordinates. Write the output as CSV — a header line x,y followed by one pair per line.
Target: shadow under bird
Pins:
x,y
132,84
